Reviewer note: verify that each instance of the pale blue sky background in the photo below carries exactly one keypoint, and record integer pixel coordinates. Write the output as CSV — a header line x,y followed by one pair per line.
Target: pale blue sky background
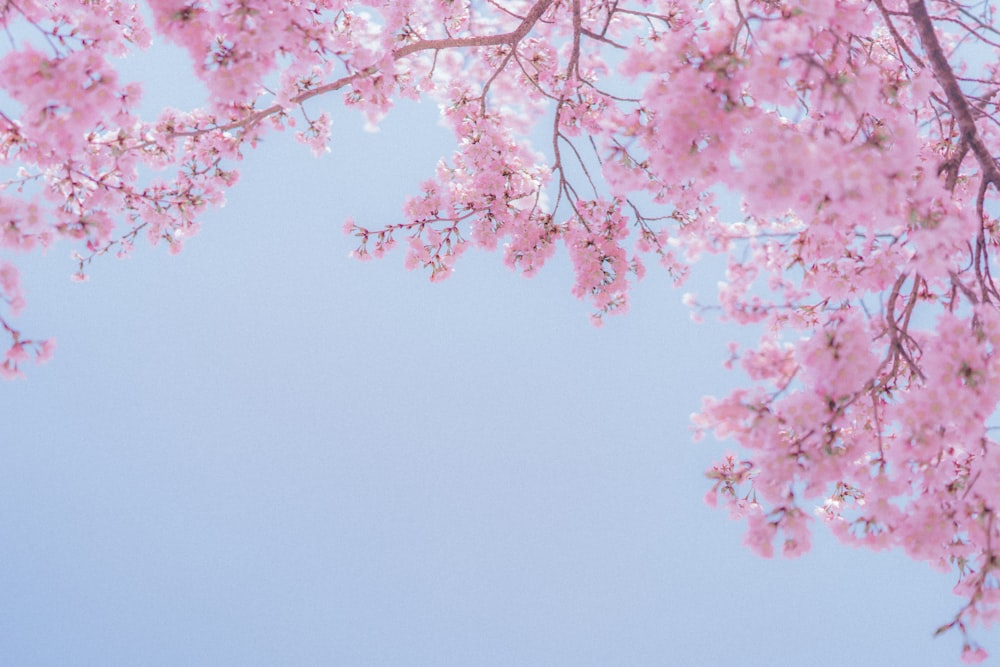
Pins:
x,y
260,452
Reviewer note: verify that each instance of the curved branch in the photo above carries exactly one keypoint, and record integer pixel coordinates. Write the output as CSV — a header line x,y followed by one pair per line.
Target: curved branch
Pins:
x,y
512,37
956,98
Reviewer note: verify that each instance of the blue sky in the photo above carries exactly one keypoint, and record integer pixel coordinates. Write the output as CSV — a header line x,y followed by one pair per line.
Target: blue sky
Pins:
x,y
261,452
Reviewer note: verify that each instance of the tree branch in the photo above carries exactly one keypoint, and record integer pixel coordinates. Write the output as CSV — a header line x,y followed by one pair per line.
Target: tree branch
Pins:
x,y
512,37
957,101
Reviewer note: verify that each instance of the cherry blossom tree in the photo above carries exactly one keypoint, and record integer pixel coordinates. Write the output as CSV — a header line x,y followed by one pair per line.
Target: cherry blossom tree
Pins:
x,y
859,137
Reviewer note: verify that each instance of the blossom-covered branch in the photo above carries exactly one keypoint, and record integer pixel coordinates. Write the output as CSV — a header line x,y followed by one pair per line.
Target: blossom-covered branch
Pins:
x,y
859,137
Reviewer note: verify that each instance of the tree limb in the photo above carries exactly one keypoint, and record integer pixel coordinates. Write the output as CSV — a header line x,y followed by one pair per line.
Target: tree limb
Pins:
x,y
956,98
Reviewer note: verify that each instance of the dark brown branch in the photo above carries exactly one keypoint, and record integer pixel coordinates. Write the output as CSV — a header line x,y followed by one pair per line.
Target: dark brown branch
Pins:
x,y
957,101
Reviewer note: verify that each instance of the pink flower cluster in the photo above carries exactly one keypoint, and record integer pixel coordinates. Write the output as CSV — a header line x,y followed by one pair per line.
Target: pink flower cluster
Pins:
x,y
858,136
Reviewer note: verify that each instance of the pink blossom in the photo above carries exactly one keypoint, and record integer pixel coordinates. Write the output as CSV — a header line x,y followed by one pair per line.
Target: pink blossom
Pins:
x,y
16,353
46,349
973,655
862,247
